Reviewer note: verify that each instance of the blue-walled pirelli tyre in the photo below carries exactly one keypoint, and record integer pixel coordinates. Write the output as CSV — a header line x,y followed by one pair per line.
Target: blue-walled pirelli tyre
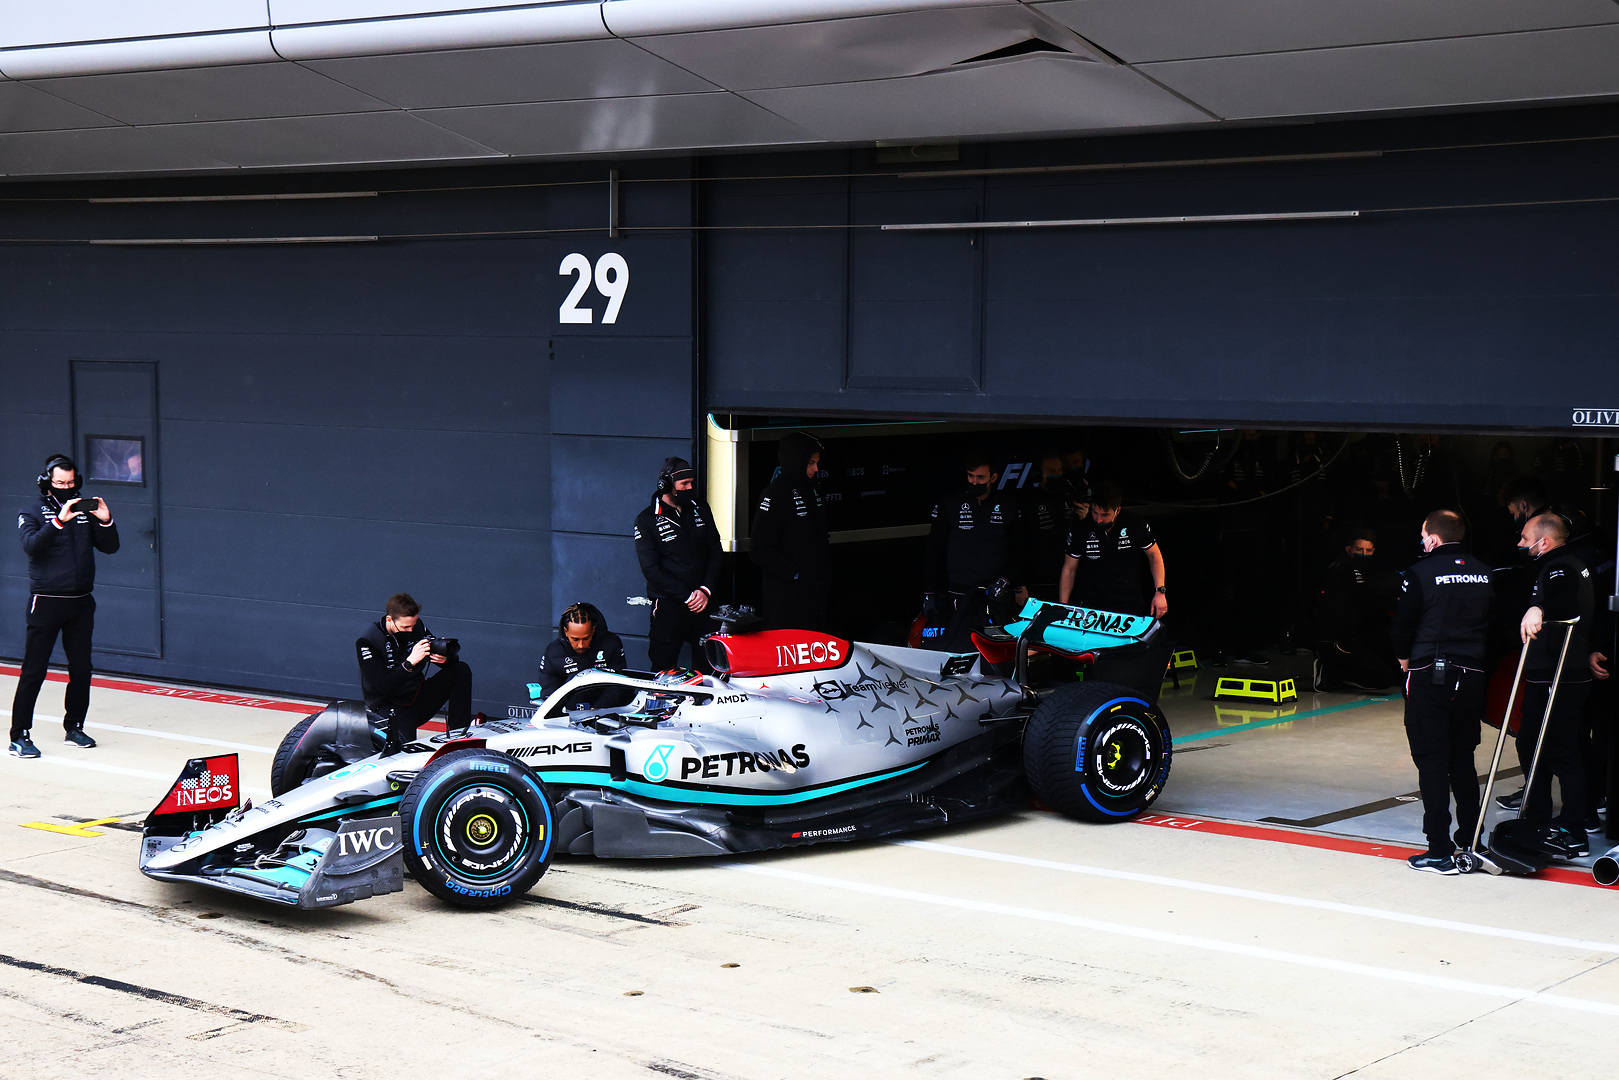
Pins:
x,y
1097,751
478,828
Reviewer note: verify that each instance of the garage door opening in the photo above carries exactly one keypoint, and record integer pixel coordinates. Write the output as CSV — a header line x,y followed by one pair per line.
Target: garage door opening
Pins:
x,y
1249,523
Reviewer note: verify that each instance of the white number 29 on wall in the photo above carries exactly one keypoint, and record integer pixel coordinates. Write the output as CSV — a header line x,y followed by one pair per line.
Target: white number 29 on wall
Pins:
x,y
612,278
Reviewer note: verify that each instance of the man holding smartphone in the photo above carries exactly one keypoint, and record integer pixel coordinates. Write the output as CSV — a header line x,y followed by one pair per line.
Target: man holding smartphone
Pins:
x,y
60,536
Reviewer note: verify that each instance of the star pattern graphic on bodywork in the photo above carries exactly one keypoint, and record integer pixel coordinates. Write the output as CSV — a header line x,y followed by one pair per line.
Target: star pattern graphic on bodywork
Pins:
x,y
891,740
966,697
863,723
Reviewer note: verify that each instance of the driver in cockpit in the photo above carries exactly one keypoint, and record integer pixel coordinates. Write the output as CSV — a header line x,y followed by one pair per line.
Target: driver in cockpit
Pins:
x,y
583,642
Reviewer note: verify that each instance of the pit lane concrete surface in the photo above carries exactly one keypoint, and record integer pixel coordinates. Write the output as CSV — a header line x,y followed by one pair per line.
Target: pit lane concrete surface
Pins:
x,y
1032,946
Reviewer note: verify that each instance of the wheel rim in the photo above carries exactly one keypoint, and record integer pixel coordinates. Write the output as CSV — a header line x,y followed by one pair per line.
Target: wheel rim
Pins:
x,y
1122,757
482,832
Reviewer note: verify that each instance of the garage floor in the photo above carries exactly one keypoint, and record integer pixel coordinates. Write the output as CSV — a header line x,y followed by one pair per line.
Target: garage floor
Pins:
x,y
1028,947
1335,763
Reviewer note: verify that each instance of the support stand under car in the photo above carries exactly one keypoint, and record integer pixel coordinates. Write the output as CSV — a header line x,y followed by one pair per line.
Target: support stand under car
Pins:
x,y
1510,851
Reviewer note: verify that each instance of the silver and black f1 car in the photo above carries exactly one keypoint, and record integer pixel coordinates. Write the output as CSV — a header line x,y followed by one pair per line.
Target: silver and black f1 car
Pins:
x,y
798,738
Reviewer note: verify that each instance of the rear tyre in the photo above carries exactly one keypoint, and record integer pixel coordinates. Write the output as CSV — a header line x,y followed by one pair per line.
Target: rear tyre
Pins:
x,y
1097,752
478,828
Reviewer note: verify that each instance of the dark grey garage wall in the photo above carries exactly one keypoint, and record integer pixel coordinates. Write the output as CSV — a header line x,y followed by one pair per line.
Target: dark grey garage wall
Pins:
x,y
623,397
1416,314
340,422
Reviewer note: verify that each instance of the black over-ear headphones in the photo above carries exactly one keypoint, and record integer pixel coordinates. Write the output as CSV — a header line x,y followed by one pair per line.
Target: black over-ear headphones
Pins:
x,y
666,483
52,463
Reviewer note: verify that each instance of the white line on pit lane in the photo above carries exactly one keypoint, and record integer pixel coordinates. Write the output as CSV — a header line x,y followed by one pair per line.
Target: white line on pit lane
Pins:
x,y
120,770
1272,898
197,739
1413,978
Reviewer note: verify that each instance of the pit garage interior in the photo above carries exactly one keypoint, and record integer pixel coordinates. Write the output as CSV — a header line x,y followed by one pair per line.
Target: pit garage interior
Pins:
x,y
460,382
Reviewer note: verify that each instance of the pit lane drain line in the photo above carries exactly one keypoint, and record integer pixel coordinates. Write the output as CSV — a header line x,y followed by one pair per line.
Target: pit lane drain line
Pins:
x,y
1271,898
1257,952
155,734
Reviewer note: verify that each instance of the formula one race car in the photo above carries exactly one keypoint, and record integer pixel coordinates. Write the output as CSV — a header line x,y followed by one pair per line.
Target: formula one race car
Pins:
x,y
798,738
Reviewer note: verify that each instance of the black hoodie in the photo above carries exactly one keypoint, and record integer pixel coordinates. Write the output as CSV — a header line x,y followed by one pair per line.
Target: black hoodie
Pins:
x,y
788,539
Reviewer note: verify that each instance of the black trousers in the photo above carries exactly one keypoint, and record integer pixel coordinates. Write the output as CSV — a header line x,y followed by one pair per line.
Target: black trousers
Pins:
x,y
1442,726
673,625
74,618
450,684
1560,753
794,605
1352,661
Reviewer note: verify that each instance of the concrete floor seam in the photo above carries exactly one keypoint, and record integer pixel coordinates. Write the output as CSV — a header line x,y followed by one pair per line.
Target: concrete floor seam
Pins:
x,y
1412,978
1267,897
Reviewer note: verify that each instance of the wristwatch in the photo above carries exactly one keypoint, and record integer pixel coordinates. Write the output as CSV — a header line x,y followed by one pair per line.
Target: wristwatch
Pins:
x,y
1161,589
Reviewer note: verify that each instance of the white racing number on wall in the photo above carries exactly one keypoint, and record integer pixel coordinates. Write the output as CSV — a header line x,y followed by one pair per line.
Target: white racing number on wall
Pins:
x,y
612,279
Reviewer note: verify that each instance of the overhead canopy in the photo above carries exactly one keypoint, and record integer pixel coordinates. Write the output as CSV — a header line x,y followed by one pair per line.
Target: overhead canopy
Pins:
x,y
106,87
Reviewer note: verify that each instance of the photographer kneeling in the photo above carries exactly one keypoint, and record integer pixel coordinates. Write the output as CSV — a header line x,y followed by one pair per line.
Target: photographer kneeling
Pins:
x,y
394,655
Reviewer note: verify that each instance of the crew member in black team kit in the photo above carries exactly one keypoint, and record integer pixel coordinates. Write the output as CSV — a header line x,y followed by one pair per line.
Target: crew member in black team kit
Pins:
x,y
583,643
61,535
971,563
788,540
394,655
1440,629
1111,556
1562,590
679,551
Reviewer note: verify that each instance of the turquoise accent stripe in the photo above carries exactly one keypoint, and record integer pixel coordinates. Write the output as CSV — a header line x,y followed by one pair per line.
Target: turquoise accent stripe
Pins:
x,y
713,798
387,801
1330,709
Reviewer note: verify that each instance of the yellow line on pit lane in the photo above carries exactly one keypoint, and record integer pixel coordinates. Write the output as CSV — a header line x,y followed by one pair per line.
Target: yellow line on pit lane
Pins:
x,y
81,828
1191,941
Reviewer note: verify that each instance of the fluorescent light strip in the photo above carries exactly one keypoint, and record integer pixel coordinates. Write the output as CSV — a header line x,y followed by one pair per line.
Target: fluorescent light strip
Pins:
x,y
240,198
1116,166
225,241
1083,223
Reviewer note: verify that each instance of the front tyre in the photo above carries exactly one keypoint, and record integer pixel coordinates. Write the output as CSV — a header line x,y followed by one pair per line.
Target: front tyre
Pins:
x,y
1096,751
478,828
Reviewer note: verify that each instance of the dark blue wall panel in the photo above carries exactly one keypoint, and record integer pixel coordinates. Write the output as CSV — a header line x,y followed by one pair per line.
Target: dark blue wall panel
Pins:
x,y
340,422
1481,263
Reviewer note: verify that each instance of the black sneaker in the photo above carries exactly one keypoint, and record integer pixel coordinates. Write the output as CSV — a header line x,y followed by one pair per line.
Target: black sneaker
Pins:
x,y
1431,863
1510,802
24,747
1572,841
78,738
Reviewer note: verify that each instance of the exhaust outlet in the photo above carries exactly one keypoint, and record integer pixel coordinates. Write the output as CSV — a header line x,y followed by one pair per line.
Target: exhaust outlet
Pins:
x,y
1606,868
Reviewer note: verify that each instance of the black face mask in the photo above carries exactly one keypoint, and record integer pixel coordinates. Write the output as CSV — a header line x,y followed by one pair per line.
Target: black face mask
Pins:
x,y
1052,482
1526,555
1360,558
978,491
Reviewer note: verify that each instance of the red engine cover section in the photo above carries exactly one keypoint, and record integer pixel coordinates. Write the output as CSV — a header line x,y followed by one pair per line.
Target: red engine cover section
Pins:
x,y
204,784
780,652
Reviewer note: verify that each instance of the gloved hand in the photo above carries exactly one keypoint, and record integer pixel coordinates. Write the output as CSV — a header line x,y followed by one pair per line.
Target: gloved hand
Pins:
x,y
997,588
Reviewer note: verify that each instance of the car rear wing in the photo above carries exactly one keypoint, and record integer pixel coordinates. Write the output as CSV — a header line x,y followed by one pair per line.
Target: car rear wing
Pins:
x,y
1075,631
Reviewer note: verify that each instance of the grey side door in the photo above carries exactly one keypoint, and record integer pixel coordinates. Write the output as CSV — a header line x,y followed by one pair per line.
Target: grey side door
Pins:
x,y
115,436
